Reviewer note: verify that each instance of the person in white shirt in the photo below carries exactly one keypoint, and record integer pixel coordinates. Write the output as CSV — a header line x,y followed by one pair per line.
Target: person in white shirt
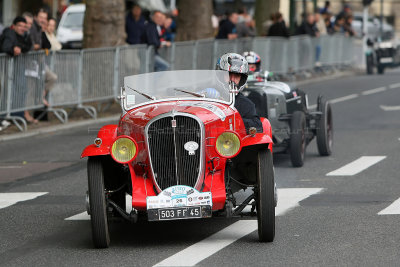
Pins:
x,y
51,26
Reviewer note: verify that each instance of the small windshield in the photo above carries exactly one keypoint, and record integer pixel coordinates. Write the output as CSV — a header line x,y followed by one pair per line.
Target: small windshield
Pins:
x,y
183,84
74,20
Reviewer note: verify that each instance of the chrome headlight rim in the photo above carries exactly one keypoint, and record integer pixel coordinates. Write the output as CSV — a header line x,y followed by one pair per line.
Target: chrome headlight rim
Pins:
x,y
229,156
126,137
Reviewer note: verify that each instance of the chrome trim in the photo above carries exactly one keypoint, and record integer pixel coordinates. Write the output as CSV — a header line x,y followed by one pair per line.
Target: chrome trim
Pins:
x,y
175,99
173,113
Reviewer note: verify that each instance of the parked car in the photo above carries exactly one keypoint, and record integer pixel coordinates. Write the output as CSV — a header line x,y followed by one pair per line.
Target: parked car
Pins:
x,y
374,26
181,152
294,124
70,28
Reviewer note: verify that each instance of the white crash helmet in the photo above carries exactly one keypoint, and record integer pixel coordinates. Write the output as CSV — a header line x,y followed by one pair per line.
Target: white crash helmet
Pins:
x,y
253,58
234,63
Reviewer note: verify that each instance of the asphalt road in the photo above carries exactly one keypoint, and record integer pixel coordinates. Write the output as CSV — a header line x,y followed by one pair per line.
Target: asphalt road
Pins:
x,y
327,220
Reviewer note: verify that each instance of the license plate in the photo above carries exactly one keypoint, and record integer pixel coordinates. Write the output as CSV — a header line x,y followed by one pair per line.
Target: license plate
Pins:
x,y
179,213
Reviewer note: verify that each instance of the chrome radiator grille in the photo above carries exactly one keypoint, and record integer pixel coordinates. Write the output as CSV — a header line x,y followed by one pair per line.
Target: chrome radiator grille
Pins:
x,y
171,162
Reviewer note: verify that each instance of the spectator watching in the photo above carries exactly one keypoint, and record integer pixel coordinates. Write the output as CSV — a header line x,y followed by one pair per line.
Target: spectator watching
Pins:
x,y
54,43
12,40
134,25
279,27
308,26
151,37
227,27
36,31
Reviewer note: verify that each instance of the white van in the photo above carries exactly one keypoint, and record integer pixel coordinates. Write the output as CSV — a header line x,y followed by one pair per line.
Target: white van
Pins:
x,y
70,28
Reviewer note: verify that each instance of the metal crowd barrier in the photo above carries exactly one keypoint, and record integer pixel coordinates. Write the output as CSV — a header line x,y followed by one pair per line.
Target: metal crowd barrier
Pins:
x,y
95,75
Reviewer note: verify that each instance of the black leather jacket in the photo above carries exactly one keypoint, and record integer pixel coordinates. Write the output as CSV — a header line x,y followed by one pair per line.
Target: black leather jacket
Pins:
x,y
247,111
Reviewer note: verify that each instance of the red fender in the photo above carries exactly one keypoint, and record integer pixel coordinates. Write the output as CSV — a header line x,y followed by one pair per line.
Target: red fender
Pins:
x,y
260,138
107,134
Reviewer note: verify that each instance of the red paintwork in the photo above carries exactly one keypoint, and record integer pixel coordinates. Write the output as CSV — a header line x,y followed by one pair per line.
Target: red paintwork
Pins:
x,y
133,124
107,134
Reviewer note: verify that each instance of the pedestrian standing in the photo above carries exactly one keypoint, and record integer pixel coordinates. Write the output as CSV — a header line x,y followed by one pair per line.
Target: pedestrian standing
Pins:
x,y
151,37
279,27
14,43
227,27
134,25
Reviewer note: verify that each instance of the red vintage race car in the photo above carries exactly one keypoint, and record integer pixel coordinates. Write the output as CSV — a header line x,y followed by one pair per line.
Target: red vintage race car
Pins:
x,y
181,151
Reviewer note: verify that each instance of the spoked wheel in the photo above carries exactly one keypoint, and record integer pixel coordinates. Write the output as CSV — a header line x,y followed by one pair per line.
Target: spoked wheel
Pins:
x,y
97,202
265,197
325,129
297,138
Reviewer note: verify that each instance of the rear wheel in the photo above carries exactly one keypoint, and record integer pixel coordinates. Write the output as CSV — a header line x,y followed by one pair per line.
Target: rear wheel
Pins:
x,y
265,196
97,202
325,129
297,138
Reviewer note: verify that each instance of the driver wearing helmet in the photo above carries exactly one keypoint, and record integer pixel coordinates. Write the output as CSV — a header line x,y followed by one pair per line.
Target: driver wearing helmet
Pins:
x,y
238,69
254,61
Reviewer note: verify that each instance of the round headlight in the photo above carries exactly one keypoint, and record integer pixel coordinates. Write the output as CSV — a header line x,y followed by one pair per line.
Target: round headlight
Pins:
x,y
228,144
123,150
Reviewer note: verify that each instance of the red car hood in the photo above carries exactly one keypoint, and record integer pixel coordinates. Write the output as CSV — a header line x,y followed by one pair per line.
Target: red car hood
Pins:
x,y
206,111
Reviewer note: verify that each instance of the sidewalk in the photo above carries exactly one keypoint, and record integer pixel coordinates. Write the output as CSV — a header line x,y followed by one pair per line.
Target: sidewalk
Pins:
x,y
112,115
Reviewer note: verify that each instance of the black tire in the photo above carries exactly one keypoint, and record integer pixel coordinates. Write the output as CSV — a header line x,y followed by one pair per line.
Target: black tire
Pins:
x,y
370,64
325,129
265,196
381,69
98,205
297,138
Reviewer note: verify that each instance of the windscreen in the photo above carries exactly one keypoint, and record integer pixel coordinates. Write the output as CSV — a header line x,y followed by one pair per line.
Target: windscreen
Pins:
x,y
74,20
183,84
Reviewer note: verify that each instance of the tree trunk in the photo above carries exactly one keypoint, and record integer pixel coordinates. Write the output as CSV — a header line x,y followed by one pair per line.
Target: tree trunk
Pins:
x,y
104,23
194,20
263,11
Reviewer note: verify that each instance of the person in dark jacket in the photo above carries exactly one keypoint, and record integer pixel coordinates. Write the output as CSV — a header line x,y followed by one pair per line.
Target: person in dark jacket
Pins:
x,y
134,25
151,37
12,40
36,30
308,26
227,27
279,27
14,43
238,69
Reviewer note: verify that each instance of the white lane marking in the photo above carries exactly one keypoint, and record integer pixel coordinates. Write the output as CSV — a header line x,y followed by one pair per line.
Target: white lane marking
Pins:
x,y
394,208
83,216
395,85
79,217
288,198
8,199
356,166
344,98
374,91
10,167
389,108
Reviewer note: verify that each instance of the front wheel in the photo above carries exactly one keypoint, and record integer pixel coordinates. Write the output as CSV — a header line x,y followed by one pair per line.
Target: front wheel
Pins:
x,y
265,196
325,129
97,202
297,138
370,64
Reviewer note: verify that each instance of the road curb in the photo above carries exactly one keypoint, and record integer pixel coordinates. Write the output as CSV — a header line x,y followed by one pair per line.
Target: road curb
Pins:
x,y
56,128
325,78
